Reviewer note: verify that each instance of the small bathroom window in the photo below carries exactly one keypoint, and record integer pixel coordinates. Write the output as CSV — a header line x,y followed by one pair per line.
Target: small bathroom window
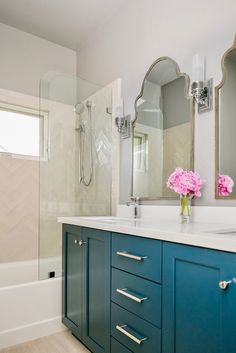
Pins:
x,y
23,132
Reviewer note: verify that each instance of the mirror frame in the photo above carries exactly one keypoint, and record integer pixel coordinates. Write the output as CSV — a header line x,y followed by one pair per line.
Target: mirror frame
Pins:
x,y
217,122
192,121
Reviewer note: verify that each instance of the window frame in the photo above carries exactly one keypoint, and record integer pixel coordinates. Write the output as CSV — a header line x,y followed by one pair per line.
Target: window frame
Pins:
x,y
43,134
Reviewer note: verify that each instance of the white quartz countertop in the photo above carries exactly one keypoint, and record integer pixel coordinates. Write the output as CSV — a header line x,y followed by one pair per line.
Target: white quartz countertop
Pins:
x,y
197,234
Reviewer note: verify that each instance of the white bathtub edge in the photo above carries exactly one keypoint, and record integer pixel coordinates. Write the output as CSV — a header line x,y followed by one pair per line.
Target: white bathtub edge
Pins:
x,y
29,311
30,332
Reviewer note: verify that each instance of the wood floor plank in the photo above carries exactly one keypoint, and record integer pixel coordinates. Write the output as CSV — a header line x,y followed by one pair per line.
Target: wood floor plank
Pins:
x,y
62,342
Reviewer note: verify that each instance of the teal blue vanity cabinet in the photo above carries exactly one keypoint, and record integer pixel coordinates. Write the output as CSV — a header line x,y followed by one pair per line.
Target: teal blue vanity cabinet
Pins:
x,y
124,293
199,311
86,286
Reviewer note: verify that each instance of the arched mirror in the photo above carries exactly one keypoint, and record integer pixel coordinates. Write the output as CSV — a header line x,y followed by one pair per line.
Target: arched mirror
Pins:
x,y
225,114
162,130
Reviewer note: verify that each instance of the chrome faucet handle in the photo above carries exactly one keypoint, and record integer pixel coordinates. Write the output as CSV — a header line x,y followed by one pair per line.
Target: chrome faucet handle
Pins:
x,y
135,201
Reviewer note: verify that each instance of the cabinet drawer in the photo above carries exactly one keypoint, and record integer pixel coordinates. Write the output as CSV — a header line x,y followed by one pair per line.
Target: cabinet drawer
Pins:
x,y
135,333
137,295
116,347
137,255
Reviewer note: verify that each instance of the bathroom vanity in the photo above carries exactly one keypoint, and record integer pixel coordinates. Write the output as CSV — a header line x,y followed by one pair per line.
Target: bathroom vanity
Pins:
x,y
141,286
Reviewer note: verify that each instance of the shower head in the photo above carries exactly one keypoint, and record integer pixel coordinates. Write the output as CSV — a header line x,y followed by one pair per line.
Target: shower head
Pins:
x,y
89,104
79,108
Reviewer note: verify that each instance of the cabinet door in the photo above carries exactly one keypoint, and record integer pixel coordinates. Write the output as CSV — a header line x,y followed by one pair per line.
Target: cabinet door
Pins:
x,y
72,279
96,311
198,316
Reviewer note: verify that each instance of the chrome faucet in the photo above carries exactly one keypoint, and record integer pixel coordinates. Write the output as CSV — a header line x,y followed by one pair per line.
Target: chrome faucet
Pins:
x,y
135,202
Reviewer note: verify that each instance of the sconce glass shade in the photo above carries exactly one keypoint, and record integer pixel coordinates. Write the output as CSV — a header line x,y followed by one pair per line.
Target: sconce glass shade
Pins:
x,y
198,68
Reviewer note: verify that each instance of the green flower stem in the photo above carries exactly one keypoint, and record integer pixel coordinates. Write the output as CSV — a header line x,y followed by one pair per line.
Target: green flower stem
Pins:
x,y
185,205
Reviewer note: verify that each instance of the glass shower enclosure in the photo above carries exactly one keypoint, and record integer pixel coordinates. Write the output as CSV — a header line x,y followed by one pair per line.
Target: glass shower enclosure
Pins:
x,y
75,159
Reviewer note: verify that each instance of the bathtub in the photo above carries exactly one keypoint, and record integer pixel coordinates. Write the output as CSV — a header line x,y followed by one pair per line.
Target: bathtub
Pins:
x,y
28,310
12,273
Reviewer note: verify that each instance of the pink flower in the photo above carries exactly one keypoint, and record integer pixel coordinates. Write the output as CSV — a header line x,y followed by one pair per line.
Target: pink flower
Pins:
x,y
225,185
185,182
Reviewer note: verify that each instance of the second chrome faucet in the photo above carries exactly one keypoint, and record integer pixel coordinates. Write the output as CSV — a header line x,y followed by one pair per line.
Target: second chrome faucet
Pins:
x,y
135,203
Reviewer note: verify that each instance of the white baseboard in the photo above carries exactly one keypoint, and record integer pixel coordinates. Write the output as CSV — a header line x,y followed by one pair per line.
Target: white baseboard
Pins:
x,y
30,332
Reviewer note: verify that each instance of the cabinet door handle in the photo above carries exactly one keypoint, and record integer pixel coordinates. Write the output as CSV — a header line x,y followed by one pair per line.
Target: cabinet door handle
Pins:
x,y
131,334
224,284
79,242
131,256
126,293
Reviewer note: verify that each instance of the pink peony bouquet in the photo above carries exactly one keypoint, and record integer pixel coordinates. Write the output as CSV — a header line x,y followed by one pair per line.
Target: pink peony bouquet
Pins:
x,y
225,185
185,182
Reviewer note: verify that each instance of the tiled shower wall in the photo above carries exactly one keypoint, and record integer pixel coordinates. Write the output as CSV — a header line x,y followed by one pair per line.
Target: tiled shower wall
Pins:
x,y
18,209
96,198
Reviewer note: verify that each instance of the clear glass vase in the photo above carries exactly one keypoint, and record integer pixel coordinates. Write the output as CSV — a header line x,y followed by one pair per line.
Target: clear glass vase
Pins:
x,y
185,213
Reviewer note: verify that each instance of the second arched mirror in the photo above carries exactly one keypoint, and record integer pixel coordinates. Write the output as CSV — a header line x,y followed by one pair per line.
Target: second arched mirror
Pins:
x,y
162,130
225,93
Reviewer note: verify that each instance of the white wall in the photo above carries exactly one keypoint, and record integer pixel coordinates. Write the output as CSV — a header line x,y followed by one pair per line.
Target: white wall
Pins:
x,y
25,59
143,31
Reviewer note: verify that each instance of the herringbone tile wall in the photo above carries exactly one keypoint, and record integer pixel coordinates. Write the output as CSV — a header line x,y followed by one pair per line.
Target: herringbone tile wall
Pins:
x,y
19,209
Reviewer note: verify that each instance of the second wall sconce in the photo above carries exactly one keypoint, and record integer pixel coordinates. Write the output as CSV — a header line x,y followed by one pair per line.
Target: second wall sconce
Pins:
x,y
201,89
122,122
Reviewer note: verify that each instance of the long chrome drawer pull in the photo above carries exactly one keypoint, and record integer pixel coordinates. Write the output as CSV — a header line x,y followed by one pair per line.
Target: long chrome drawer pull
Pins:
x,y
131,256
128,294
130,335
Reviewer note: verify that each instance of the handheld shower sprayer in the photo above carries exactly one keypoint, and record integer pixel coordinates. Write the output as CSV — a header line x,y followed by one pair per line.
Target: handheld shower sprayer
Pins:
x,y
85,134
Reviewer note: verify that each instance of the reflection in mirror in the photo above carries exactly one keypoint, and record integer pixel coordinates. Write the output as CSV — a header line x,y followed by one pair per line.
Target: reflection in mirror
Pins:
x,y
225,94
162,130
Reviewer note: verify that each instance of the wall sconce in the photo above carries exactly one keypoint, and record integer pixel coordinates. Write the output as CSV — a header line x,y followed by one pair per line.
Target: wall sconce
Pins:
x,y
200,88
122,122
123,125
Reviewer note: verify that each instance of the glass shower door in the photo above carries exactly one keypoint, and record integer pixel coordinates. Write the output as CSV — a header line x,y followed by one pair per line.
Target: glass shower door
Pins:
x,y
75,139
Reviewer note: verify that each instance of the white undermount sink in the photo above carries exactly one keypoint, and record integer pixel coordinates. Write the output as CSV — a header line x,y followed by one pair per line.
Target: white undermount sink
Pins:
x,y
110,219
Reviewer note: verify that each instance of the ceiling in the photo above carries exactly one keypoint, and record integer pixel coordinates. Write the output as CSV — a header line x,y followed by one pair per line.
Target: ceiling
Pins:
x,y
65,22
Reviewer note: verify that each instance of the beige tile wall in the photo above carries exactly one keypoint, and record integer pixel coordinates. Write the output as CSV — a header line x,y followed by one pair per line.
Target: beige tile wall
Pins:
x,y
19,200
